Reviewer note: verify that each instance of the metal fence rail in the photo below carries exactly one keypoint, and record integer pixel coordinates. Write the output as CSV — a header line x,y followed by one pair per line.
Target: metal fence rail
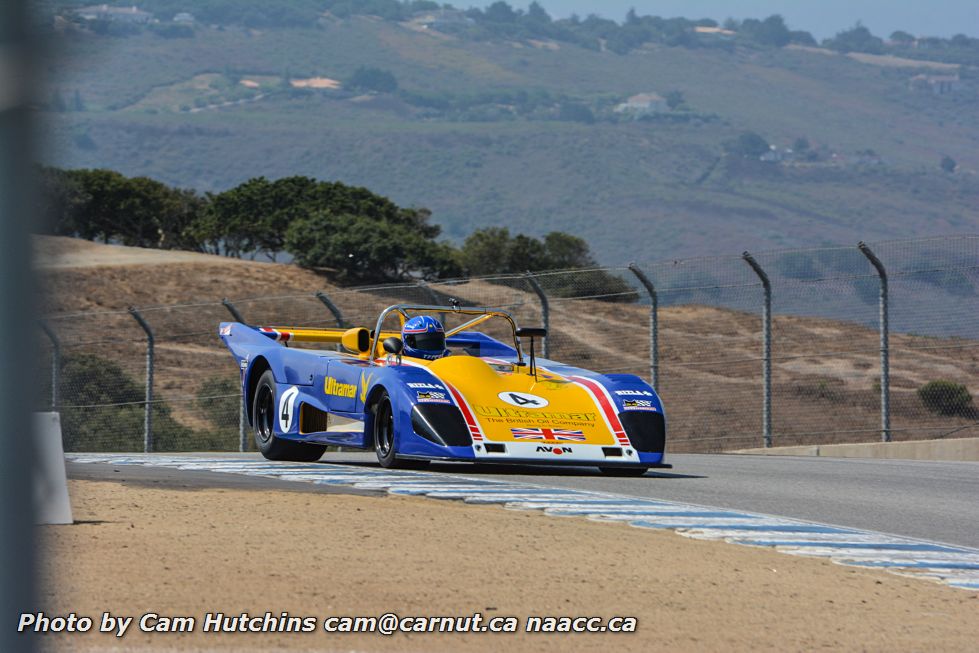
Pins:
x,y
809,346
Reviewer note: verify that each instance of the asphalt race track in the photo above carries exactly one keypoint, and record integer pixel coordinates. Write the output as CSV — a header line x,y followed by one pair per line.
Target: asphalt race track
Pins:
x,y
935,501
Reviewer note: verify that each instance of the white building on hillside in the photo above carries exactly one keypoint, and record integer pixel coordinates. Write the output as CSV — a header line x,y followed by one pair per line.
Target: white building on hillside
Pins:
x,y
643,104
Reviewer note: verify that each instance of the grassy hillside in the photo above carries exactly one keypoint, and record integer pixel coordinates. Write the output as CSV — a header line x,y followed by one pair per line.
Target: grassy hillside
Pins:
x,y
177,110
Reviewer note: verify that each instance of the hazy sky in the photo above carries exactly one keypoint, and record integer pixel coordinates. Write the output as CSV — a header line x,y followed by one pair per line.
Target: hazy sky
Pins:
x,y
821,17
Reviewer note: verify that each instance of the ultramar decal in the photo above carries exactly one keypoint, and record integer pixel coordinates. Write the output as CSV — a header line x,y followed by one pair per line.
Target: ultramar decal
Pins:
x,y
520,415
333,387
365,381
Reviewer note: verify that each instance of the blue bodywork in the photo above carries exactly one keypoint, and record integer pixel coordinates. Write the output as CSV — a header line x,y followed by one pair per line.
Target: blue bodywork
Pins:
x,y
344,385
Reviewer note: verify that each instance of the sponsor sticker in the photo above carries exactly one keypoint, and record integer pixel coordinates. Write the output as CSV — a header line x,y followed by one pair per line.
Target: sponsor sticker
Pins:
x,y
522,415
523,399
638,404
333,387
557,451
430,396
226,330
634,393
425,386
287,405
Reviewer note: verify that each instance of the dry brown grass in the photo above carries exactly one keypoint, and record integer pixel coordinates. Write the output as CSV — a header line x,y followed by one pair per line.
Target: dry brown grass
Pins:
x,y
824,371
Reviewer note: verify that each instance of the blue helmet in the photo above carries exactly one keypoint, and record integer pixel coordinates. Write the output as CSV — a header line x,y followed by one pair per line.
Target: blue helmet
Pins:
x,y
423,337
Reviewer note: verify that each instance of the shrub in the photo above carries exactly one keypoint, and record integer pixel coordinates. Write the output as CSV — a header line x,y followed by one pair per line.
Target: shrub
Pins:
x,y
218,400
102,409
946,398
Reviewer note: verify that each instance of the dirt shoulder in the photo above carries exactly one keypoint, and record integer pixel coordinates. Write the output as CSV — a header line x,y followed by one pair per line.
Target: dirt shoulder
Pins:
x,y
189,552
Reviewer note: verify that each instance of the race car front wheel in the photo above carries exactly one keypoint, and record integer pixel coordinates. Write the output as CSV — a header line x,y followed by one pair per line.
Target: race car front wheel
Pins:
x,y
384,431
264,416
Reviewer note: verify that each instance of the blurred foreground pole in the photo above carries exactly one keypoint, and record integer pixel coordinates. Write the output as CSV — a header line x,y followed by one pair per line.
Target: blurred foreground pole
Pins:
x,y
766,349
885,365
17,330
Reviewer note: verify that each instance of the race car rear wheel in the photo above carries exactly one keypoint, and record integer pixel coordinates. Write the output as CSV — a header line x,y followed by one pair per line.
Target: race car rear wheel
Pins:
x,y
264,416
624,471
383,421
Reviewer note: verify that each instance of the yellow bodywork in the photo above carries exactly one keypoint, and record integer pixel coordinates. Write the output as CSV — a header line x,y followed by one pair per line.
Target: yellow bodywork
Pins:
x,y
569,406
482,386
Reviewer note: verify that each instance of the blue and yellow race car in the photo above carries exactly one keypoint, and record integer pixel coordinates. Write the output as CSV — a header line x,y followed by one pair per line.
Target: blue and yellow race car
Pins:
x,y
422,392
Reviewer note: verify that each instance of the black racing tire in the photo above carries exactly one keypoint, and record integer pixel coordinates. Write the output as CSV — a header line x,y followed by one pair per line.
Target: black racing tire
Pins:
x,y
264,417
624,471
383,432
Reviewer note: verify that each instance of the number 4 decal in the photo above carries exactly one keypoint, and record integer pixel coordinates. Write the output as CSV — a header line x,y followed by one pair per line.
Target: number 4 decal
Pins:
x,y
287,404
523,399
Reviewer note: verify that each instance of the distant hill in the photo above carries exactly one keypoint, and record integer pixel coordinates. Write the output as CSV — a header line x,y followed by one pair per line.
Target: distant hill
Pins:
x,y
537,134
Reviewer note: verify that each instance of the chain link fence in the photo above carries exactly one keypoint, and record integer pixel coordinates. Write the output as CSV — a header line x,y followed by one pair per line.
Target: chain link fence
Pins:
x,y
788,351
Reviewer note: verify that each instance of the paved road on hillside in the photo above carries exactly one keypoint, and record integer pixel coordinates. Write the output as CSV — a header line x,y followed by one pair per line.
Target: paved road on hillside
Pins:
x,y
936,501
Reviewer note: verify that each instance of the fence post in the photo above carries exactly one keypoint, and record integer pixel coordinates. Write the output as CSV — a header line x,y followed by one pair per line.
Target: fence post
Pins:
x,y
653,324
545,311
242,431
242,436
55,362
337,315
885,365
432,296
766,319
148,411
235,313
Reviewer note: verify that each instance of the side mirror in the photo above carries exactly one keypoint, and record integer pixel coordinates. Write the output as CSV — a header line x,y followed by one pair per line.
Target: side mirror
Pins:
x,y
531,332
393,345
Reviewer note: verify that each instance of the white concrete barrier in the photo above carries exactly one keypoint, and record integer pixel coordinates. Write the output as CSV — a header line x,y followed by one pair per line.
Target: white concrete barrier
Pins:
x,y
51,502
962,449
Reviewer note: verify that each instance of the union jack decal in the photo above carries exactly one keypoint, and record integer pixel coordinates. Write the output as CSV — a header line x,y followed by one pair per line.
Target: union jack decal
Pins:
x,y
547,434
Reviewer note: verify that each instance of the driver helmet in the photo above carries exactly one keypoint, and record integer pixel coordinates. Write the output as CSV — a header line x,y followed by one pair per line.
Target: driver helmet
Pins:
x,y
423,337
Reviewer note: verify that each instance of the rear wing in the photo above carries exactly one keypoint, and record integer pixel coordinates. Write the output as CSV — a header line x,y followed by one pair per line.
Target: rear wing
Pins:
x,y
357,340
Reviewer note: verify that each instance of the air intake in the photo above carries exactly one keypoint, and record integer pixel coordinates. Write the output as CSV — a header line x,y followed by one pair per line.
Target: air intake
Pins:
x,y
646,430
312,420
441,424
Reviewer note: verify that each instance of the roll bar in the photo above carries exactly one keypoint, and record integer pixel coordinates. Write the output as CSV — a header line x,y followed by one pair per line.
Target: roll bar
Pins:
x,y
481,315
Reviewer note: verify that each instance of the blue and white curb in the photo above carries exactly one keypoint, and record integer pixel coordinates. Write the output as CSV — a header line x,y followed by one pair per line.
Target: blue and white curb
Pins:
x,y
954,565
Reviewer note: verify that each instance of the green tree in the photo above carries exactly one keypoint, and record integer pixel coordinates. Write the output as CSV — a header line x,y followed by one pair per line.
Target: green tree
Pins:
x,y
771,32
500,12
575,112
372,79
675,100
140,212
901,37
537,14
493,251
565,251
358,249
947,398
748,144
856,39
